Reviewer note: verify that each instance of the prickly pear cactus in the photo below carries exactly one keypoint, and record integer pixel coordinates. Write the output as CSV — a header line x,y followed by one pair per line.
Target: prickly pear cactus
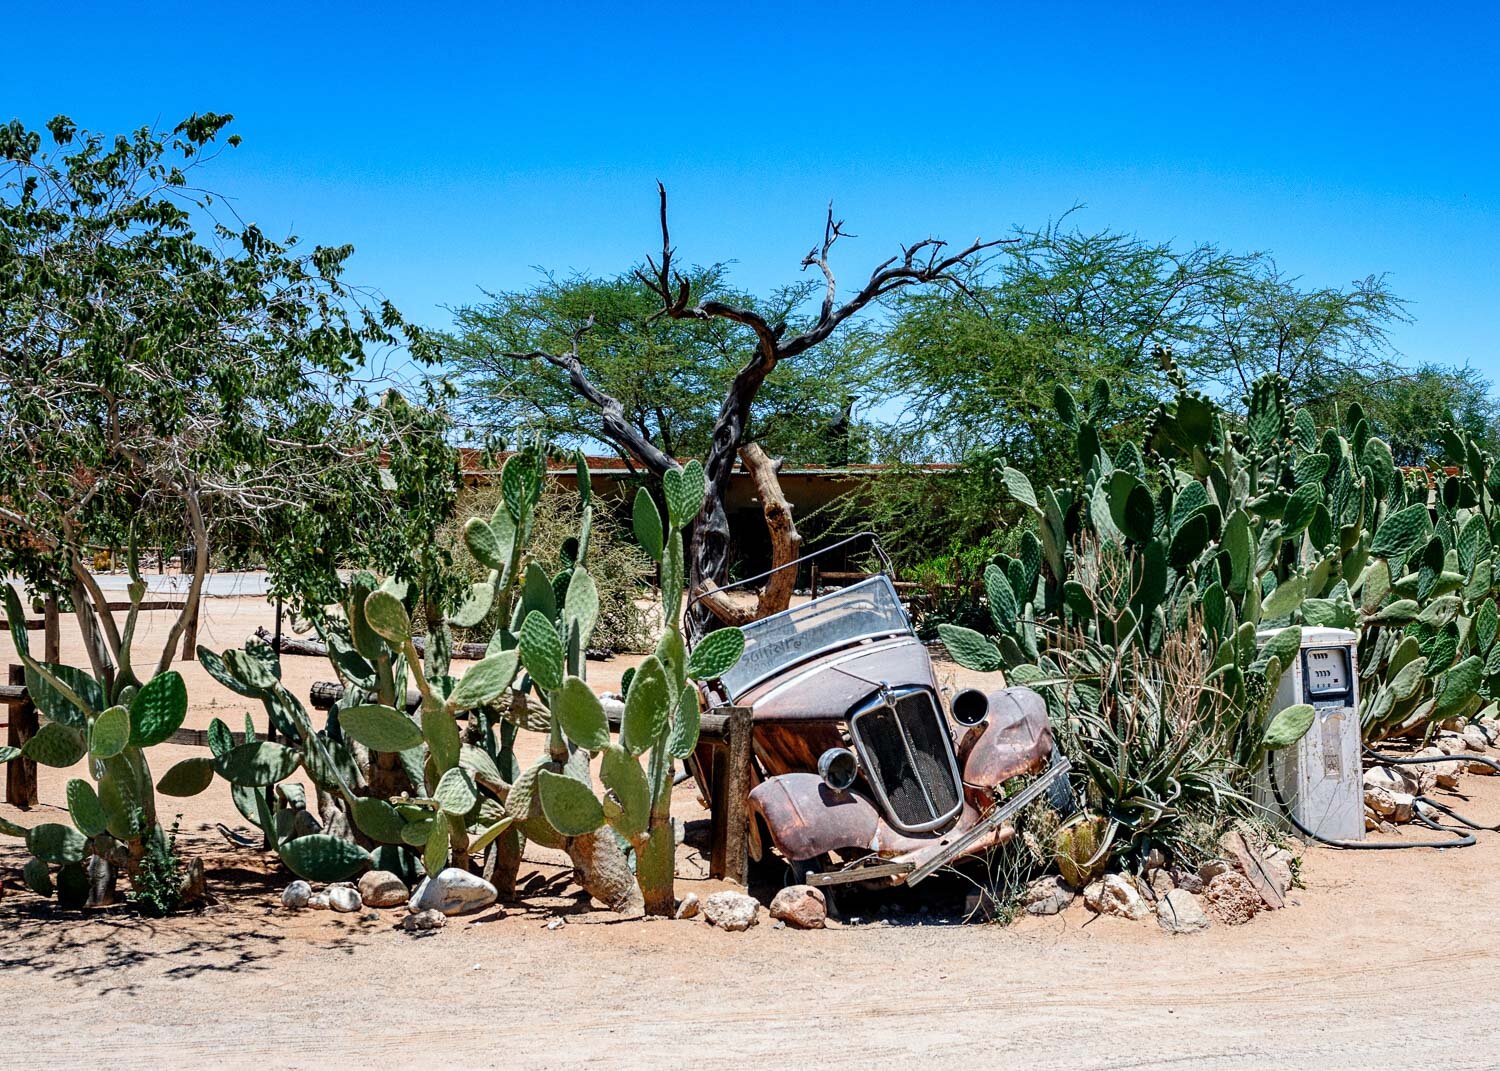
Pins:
x,y
661,718
113,722
1253,523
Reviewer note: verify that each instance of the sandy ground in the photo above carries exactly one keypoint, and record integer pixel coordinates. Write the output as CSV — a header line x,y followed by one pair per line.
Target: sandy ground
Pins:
x,y
1383,960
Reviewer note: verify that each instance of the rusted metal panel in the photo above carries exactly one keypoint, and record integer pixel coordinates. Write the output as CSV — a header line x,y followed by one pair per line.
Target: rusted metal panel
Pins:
x,y
1015,738
807,818
789,747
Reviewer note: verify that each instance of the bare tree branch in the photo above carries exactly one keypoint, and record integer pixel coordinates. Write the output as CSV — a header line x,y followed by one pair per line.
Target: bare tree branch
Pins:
x,y
617,427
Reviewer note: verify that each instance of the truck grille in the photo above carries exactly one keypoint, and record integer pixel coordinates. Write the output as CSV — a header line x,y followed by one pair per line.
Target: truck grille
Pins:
x,y
908,759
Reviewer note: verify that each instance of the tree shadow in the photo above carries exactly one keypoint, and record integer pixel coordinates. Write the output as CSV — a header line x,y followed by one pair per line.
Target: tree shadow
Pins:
x,y
112,949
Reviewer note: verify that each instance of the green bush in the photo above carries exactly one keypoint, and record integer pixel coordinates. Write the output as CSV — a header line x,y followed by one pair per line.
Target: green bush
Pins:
x,y
156,889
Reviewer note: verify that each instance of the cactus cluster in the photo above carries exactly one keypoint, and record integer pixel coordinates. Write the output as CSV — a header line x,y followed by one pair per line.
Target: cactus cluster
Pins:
x,y
1221,526
661,716
1253,523
422,788
396,789
112,722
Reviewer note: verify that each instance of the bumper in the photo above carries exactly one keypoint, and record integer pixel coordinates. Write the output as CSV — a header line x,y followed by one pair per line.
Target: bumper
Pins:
x,y
807,818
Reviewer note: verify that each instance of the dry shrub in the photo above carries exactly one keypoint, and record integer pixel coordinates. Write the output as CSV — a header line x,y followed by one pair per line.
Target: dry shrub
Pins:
x,y
621,570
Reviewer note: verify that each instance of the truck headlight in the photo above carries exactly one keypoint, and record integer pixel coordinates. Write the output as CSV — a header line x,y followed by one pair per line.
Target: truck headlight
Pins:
x,y
839,768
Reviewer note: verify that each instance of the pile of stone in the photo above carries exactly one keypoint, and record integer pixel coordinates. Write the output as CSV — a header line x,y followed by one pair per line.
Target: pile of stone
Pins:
x,y
1245,880
1457,749
451,892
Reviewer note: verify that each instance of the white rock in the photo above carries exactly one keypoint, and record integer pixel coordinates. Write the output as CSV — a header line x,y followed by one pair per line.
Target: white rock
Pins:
x,y
801,906
1390,778
1277,867
1450,744
1188,880
1444,774
319,900
1116,895
343,898
731,911
1380,801
296,895
1180,912
453,892
1403,802
424,920
1476,740
688,906
1213,868
381,888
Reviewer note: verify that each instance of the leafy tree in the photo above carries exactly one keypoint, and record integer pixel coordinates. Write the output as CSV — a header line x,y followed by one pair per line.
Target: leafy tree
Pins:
x,y
192,387
1260,321
1409,407
978,366
669,375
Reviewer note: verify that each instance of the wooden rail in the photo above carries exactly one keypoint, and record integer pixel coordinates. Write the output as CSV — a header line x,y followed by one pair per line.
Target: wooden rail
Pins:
x,y
37,624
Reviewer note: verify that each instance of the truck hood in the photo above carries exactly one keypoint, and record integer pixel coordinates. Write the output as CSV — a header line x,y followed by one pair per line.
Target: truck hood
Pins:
x,y
831,685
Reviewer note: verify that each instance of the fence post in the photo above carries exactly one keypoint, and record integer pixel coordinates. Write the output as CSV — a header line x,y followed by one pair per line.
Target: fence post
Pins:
x,y
51,635
729,798
21,726
737,814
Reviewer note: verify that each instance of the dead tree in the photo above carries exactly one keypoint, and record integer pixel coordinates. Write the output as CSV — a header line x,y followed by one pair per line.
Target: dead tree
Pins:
x,y
925,262
785,546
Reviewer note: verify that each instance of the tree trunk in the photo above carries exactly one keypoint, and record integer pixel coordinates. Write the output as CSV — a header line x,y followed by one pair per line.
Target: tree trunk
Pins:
x,y
605,873
708,552
786,544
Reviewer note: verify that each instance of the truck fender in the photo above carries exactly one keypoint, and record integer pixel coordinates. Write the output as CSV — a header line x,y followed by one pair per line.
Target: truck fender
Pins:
x,y
807,818
1014,738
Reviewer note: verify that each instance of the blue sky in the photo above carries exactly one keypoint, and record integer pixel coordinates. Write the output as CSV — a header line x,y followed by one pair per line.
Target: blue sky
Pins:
x,y
459,147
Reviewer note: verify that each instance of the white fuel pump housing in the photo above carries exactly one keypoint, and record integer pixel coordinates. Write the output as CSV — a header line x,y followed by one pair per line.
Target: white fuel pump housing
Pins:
x,y
1321,776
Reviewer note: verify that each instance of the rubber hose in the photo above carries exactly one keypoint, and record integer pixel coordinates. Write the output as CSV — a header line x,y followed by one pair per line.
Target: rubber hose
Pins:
x,y
1451,813
1434,760
1464,841
1431,760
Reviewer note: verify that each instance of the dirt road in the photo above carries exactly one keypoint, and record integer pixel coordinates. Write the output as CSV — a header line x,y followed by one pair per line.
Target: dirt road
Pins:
x,y
1384,960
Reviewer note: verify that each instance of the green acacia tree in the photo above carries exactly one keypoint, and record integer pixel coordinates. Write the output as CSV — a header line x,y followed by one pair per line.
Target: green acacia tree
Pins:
x,y
165,369
978,365
668,375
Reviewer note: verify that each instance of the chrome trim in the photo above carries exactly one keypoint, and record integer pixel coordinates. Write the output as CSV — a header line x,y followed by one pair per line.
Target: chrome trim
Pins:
x,y
887,698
